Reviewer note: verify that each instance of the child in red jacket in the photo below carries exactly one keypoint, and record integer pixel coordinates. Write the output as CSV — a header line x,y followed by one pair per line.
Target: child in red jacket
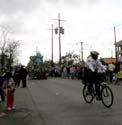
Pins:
x,y
10,94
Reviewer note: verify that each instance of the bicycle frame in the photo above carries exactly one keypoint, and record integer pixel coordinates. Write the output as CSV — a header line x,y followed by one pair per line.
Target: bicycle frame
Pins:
x,y
105,92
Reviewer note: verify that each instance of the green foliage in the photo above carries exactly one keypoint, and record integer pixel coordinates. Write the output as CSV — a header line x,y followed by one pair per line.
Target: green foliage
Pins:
x,y
70,58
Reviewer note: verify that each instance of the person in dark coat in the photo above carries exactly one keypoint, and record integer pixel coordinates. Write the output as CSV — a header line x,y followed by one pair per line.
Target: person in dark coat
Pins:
x,y
3,83
17,77
23,75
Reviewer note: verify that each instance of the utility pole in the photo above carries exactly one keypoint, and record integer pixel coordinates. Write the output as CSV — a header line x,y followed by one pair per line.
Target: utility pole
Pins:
x,y
59,31
81,51
59,39
52,44
116,56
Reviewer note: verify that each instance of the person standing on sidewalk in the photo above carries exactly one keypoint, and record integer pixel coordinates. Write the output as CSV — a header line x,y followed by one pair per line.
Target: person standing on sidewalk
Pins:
x,y
111,68
17,77
10,94
3,86
23,75
3,83
72,71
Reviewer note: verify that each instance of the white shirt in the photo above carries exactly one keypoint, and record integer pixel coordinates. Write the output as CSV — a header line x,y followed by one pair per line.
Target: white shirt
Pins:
x,y
111,67
93,64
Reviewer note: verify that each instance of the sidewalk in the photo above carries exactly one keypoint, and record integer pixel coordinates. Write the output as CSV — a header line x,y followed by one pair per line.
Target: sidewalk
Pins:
x,y
23,113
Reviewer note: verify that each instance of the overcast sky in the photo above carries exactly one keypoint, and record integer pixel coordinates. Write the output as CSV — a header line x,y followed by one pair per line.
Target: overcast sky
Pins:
x,y
89,21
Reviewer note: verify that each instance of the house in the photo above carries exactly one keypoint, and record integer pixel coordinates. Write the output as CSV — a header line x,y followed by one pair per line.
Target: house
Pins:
x,y
119,51
109,60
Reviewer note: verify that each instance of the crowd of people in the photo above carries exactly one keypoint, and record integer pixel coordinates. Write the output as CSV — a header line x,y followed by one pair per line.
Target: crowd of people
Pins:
x,y
76,71
67,71
9,81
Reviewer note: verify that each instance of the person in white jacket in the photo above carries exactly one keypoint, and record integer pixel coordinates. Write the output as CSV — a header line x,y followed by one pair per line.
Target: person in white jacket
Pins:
x,y
93,65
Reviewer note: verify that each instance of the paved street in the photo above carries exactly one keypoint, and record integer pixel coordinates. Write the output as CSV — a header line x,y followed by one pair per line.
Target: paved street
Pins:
x,y
57,101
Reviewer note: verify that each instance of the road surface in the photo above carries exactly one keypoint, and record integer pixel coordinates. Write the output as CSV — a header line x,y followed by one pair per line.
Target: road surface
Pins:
x,y
58,101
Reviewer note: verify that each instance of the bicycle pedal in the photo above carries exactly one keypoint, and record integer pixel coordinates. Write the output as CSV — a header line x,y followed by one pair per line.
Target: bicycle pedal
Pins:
x,y
98,98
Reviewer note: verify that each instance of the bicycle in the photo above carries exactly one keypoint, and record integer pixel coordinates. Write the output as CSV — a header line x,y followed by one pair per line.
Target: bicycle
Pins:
x,y
106,93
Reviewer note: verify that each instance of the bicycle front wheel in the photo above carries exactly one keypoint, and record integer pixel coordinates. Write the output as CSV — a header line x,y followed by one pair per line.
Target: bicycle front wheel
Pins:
x,y
86,95
107,96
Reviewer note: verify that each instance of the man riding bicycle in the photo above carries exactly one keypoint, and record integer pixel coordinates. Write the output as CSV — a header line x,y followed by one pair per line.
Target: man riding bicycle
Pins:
x,y
92,65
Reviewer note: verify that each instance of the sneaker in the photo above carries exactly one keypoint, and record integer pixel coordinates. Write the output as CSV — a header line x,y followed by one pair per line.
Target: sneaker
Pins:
x,y
13,107
9,108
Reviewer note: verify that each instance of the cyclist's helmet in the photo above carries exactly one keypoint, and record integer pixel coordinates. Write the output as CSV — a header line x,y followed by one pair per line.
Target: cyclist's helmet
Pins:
x,y
94,54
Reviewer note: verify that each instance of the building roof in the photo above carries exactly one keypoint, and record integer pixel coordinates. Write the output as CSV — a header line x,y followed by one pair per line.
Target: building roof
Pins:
x,y
119,43
109,60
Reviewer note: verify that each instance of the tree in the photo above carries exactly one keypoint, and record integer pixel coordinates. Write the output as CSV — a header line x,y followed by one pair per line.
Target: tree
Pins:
x,y
3,43
11,51
8,47
70,58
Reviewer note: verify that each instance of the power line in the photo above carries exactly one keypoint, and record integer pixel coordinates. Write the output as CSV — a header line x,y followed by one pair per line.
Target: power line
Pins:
x,y
104,32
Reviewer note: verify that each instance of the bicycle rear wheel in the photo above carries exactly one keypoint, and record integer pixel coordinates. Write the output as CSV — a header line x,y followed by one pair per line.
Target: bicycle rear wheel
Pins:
x,y
86,95
107,96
